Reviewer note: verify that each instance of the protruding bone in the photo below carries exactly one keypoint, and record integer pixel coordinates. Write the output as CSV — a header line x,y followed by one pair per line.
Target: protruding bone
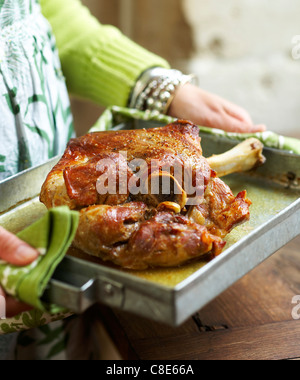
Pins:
x,y
244,157
173,192
169,206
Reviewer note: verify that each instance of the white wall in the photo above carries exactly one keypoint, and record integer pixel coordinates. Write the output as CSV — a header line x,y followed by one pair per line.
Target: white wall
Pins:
x,y
244,53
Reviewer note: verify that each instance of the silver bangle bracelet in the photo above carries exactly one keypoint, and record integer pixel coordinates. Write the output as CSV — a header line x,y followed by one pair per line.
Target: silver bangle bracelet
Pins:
x,y
156,89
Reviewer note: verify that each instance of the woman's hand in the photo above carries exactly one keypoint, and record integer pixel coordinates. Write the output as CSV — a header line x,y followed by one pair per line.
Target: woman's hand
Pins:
x,y
18,253
208,110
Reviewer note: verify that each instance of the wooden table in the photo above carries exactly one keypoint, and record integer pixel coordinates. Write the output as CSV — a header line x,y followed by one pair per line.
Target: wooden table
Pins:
x,y
251,320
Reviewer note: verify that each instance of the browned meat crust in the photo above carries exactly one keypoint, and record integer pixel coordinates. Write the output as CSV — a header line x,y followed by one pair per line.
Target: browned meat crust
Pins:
x,y
128,229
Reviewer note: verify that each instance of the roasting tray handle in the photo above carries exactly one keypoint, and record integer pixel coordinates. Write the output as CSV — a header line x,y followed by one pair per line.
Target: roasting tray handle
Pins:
x,y
78,284
77,291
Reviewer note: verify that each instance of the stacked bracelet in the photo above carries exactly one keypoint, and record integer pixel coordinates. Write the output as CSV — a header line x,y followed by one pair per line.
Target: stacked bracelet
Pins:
x,y
156,89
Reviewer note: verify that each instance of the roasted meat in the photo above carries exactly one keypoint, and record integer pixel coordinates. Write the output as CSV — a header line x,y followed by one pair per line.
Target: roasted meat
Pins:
x,y
165,206
133,237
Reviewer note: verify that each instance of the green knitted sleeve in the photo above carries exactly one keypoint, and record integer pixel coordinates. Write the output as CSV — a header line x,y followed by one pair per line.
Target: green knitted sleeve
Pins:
x,y
98,61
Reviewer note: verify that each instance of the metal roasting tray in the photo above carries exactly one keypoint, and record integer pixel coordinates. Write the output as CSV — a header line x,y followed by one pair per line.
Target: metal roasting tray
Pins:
x,y
173,295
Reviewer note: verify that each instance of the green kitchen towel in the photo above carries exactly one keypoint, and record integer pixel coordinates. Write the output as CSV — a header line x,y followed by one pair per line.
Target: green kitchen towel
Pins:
x,y
52,235
117,115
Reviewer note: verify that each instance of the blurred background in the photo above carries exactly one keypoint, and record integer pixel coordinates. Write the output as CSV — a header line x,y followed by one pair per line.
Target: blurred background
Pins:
x,y
239,49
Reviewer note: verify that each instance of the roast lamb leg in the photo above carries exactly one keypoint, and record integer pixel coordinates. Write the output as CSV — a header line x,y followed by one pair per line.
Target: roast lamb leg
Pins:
x,y
139,231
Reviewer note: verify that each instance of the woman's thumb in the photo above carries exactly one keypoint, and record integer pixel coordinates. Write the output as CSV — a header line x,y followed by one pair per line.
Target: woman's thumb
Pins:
x,y
14,251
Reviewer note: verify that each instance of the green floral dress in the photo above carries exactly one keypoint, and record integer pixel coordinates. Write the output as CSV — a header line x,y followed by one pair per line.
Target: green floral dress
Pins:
x,y
35,115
